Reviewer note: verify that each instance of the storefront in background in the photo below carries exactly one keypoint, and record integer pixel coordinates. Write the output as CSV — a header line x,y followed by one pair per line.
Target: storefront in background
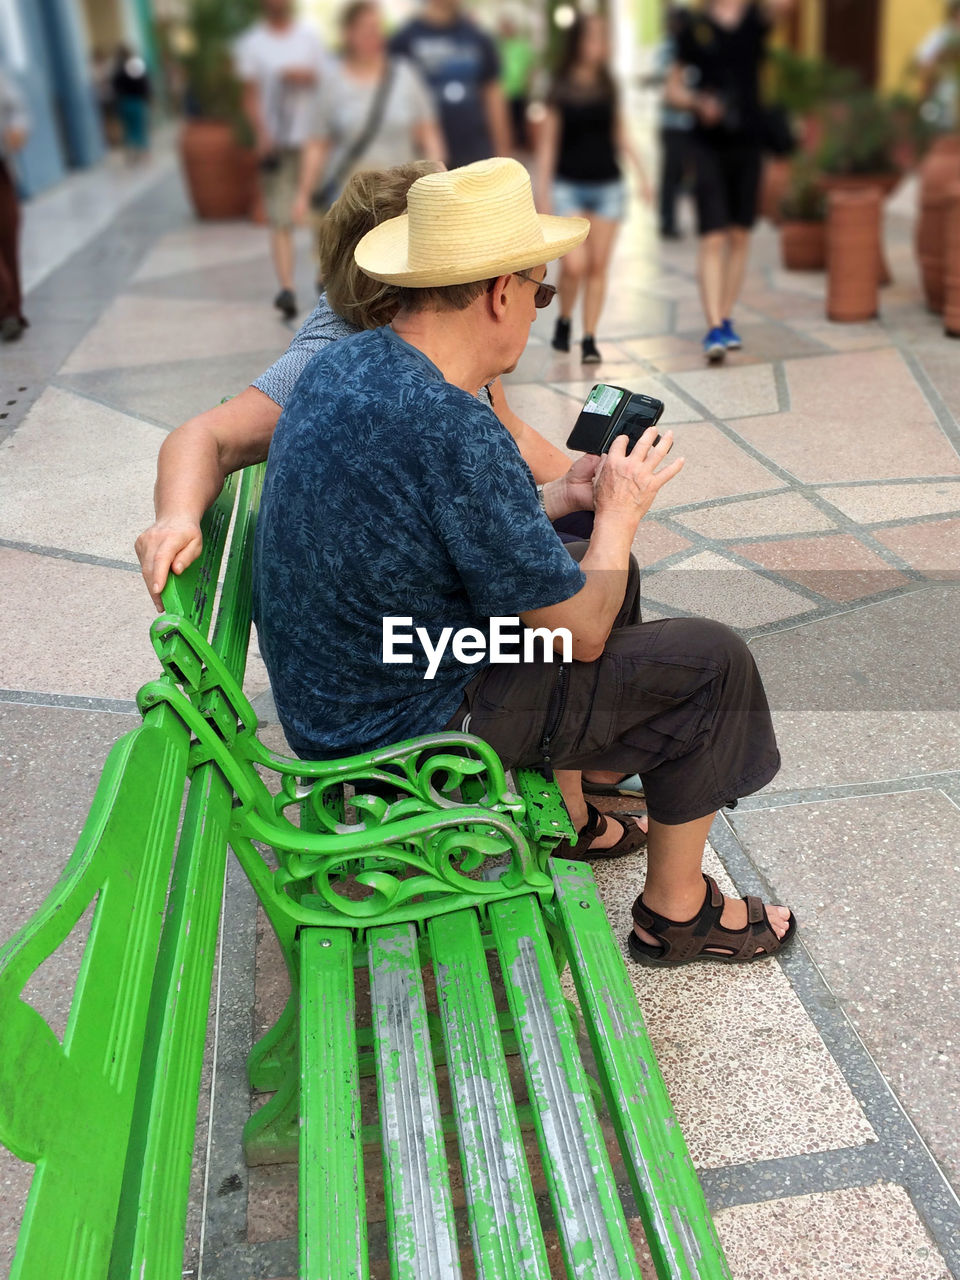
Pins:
x,y
48,47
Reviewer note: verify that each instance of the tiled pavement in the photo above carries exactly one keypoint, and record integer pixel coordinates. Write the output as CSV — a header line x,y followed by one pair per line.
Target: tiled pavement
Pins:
x,y
819,513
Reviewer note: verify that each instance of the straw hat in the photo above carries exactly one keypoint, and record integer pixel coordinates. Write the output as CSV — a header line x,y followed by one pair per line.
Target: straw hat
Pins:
x,y
464,225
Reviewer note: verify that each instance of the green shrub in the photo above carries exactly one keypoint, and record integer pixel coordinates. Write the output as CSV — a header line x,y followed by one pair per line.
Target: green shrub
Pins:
x,y
805,199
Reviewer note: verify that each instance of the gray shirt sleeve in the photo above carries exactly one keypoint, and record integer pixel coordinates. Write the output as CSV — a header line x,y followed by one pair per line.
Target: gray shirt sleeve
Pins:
x,y
321,327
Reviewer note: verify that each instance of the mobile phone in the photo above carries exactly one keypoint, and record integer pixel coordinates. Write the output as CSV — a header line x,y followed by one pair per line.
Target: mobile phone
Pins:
x,y
609,412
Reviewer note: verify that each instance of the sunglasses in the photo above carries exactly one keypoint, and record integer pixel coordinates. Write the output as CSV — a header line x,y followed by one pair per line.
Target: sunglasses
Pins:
x,y
545,292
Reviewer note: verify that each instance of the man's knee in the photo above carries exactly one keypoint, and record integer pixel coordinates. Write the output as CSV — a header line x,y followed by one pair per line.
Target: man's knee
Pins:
x,y
703,639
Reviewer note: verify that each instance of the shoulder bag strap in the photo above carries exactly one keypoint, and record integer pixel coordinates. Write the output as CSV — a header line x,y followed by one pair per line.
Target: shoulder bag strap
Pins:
x,y
374,121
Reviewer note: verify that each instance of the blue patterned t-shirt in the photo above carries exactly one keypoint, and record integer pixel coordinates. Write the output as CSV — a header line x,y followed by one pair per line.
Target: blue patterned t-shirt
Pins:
x,y
389,492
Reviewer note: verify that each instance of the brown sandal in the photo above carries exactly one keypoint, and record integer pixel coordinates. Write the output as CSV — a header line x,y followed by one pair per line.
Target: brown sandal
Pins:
x,y
704,937
634,837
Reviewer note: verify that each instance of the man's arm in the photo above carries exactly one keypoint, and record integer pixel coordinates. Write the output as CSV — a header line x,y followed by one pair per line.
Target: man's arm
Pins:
x,y
625,487
253,110
313,164
193,463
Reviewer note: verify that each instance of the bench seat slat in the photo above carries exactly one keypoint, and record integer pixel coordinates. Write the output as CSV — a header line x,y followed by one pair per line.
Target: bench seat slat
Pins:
x,y
332,1220
423,1242
589,1216
675,1216
507,1239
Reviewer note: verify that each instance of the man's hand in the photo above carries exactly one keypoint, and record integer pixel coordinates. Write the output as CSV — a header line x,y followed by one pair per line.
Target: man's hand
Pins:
x,y
574,491
163,546
627,483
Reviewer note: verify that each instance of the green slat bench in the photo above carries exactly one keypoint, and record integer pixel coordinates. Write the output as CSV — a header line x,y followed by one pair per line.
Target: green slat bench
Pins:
x,y
408,888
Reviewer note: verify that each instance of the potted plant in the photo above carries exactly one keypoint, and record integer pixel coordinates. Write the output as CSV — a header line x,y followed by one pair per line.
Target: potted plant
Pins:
x,y
218,161
803,214
858,152
858,145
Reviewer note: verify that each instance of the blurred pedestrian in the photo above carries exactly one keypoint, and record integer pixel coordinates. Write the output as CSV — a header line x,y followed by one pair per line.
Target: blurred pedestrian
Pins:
x,y
14,128
461,65
374,111
719,50
101,72
675,129
281,63
582,143
518,60
131,99
937,61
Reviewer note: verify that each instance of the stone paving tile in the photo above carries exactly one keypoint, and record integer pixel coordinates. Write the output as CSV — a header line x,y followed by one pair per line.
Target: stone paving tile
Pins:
x,y
171,393
79,476
847,337
873,503
871,1233
875,658
228,283
706,1021
712,586
779,513
654,542
663,346
139,330
675,410
933,547
745,390
94,643
878,926
192,248
830,433
838,748
836,565
50,765
714,468
938,358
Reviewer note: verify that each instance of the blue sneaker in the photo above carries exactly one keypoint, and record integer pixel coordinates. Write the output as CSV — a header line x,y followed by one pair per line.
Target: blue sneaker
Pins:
x,y
715,345
730,336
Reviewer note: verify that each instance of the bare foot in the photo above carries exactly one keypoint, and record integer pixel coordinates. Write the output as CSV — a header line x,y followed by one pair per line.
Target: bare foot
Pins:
x,y
733,916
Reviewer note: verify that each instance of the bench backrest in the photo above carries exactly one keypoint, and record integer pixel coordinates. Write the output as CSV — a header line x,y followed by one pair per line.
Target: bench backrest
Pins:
x,y
107,1115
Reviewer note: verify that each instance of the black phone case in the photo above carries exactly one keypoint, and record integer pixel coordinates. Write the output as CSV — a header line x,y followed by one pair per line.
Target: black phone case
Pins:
x,y
609,412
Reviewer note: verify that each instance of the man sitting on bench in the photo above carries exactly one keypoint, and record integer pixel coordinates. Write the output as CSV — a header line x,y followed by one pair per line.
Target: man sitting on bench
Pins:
x,y
399,528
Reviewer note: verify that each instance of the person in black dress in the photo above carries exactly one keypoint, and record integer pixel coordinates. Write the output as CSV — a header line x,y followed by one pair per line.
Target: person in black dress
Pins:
x,y
719,51
579,172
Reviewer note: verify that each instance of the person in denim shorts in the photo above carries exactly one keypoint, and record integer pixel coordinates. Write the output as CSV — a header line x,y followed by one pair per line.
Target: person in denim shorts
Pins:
x,y
581,145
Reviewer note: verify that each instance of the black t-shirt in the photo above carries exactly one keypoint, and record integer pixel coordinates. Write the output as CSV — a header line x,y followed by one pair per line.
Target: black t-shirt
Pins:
x,y
586,150
457,61
725,61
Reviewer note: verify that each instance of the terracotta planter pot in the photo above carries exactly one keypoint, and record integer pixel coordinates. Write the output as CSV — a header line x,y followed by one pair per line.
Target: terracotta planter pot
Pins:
x,y
940,169
773,187
885,183
951,275
803,245
853,247
220,176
